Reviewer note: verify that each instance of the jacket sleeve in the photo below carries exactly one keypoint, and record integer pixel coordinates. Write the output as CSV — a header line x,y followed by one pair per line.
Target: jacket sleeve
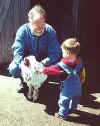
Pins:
x,y
52,70
18,46
55,70
18,52
54,49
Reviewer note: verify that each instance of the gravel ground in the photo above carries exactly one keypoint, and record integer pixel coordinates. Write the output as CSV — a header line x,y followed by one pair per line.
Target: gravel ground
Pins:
x,y
16,110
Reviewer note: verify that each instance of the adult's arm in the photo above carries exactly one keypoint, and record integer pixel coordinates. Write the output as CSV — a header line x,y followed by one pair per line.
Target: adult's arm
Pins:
x,y
18,46
18,53
54,49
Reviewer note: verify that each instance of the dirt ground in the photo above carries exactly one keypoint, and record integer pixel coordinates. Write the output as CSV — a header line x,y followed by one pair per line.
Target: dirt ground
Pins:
x,y
16,110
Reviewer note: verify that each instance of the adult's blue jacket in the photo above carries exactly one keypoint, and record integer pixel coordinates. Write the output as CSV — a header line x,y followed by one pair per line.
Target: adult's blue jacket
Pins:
x,y
42,47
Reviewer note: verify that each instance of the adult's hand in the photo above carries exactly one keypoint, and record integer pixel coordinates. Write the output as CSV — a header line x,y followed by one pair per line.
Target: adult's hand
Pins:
x,y
44,62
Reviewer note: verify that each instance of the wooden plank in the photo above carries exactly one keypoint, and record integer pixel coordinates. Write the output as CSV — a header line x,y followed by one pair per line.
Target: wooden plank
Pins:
x,y
16,15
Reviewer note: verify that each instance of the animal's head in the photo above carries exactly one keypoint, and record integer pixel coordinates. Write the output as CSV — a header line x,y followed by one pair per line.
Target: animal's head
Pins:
x,y
26,62
27,67
29,61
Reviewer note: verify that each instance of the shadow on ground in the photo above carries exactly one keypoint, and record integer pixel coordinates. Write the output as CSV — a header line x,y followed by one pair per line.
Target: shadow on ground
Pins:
x,y
49,94
85,118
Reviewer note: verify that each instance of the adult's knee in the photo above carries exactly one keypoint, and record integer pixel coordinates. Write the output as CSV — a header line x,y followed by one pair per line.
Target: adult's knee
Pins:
x,y
14,70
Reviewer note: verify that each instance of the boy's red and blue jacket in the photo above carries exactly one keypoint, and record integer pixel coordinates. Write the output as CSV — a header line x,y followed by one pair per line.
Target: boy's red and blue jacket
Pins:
x,y
65,67
70,84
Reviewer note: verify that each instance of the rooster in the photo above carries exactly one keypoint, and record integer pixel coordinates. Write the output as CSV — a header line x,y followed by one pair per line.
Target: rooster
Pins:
x,y
34,79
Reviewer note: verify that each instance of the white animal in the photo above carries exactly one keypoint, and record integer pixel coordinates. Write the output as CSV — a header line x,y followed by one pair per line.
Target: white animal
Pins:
x,y
34,79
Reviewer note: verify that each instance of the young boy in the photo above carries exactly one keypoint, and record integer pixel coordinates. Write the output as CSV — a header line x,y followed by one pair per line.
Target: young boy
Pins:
x,y
70,65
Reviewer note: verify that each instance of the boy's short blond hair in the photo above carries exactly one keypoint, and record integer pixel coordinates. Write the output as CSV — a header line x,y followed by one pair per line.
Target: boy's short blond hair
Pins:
x,y
72,45
37,8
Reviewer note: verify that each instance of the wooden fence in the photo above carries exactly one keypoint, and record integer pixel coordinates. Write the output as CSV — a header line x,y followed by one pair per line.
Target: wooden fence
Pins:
x,y
13,13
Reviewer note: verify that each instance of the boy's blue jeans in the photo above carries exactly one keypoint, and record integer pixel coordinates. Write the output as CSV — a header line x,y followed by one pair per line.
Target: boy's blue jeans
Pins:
x,y
68,100
66,104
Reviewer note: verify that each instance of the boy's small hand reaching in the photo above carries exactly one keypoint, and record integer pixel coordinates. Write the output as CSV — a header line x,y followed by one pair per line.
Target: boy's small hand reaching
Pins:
x,y
39,70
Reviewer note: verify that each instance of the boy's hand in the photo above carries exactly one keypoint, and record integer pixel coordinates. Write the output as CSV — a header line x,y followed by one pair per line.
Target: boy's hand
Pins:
x,y
39,70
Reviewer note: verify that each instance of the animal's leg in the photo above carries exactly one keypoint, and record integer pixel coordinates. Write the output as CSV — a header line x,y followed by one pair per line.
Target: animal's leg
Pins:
x,y
30,91
35,95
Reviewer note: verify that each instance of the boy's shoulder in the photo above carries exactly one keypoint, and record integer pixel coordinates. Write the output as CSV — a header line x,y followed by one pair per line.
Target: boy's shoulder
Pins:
x,y
71,63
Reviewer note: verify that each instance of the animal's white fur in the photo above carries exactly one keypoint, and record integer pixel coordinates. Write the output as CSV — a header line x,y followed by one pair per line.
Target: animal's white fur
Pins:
x,y
33,78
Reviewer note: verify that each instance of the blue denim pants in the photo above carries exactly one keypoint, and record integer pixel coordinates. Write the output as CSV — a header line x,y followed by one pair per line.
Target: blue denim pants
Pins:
x,y
69,97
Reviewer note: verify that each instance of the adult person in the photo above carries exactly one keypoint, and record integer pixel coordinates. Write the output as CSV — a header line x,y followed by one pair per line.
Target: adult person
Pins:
x,y
35,38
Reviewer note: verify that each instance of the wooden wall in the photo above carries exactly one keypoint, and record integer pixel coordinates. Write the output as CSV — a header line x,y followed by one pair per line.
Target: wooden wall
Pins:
x,y
89,38
13,13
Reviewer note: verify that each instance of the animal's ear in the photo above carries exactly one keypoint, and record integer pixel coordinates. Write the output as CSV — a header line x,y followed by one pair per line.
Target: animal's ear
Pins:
x,y
26,62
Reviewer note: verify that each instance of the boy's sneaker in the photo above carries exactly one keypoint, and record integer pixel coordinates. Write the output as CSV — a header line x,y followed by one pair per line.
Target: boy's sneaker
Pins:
x,y
60,116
